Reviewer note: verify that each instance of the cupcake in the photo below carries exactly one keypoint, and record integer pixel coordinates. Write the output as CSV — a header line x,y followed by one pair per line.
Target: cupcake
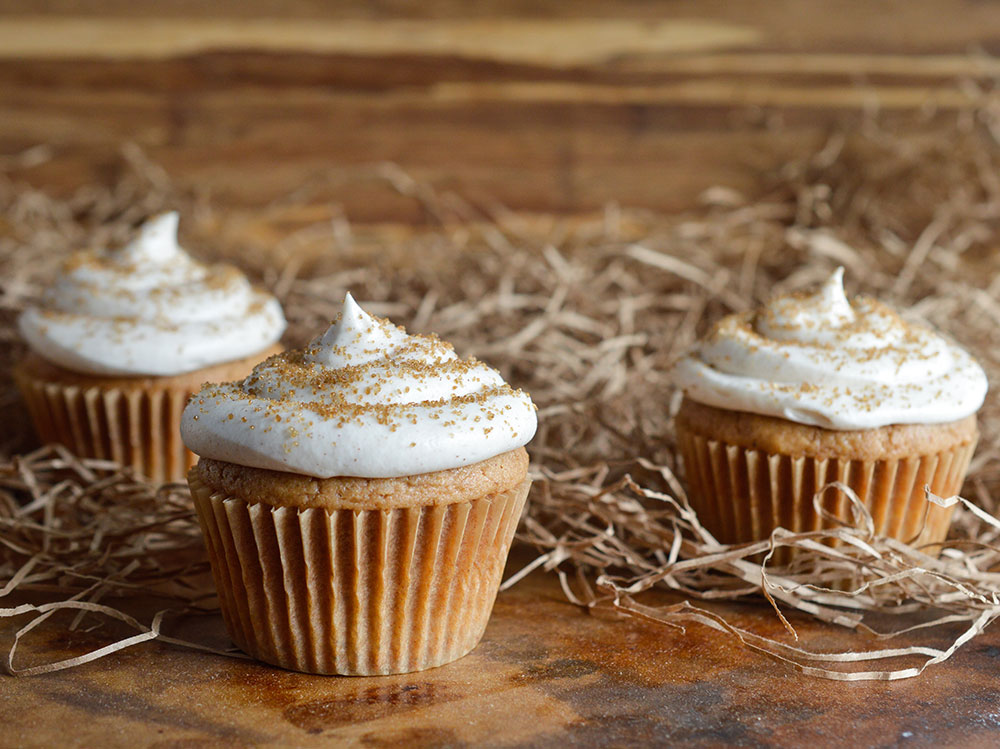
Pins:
x,y
358,498
123,338
815,388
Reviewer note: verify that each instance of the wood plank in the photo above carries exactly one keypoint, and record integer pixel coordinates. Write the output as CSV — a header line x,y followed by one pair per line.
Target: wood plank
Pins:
x,y
565,42
542,106
805,25
545,674
534,145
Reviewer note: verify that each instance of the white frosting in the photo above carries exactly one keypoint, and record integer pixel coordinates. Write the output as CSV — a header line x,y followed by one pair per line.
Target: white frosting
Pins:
x,y
149,309
363,399
823,360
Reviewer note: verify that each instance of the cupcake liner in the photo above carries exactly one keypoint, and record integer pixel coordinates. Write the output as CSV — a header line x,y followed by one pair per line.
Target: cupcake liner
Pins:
x,y
741,495
137,428
357,592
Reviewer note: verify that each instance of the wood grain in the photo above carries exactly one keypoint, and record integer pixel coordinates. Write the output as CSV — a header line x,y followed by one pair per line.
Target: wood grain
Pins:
x,y
507,39
546,674
543,106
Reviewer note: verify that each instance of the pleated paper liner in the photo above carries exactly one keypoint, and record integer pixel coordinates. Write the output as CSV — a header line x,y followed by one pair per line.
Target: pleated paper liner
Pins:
x,y
741,495
357,592
139,428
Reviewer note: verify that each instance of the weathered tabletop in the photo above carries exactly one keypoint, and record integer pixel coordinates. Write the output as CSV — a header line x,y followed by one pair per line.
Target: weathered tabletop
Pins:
x,y
545,674
547,107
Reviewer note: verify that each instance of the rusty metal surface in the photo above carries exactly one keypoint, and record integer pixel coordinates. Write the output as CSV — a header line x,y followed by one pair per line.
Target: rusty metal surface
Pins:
x,y
546,674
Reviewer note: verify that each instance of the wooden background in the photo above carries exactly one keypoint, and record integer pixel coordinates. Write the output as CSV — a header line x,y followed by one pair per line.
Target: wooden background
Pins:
x,y
544,106
549,108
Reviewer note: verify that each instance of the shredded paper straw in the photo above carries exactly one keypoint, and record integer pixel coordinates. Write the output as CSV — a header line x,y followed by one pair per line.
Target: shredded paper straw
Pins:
x,y
586,315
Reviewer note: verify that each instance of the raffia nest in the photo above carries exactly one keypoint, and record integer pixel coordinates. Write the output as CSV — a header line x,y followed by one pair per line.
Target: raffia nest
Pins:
x,y
586,315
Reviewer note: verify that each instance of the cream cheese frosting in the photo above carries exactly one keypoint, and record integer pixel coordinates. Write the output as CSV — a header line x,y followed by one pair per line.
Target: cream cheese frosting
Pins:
x,y
823,360
363,399
149,309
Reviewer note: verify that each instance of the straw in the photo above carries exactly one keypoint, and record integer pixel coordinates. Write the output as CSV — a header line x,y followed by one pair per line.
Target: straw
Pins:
x,y
586,314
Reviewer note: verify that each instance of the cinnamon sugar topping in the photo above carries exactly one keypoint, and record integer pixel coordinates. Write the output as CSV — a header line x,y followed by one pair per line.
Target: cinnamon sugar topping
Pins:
x,y
365,399
818,358
149,309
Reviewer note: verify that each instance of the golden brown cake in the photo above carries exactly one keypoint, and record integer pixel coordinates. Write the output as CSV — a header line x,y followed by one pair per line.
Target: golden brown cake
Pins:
x,y
359,497
134,421
354,575
748,474
813,389
122,338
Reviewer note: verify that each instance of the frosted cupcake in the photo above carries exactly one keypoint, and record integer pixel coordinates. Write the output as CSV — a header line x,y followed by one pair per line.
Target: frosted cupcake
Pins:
x,y
815,388
359,497
123,338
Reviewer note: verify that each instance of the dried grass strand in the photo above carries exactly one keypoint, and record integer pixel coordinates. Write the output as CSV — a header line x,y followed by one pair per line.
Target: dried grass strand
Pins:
x,y
587,315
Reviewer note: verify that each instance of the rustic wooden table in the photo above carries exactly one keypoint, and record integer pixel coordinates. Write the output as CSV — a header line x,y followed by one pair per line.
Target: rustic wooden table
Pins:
x,y
545,674
547,107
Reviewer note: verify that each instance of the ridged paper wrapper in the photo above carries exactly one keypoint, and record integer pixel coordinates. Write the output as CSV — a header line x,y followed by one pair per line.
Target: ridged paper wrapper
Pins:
x,y
139,428
741,495
357,592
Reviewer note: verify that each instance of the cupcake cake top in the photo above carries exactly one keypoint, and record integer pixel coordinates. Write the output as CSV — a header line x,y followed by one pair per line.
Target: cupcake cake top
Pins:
x,y
363,399
823,360
148,309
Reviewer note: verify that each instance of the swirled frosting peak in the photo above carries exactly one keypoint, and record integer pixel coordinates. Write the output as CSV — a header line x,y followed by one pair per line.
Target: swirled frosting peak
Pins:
x,y
356,338
148,309
810,318
825,360
362,399
156,242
